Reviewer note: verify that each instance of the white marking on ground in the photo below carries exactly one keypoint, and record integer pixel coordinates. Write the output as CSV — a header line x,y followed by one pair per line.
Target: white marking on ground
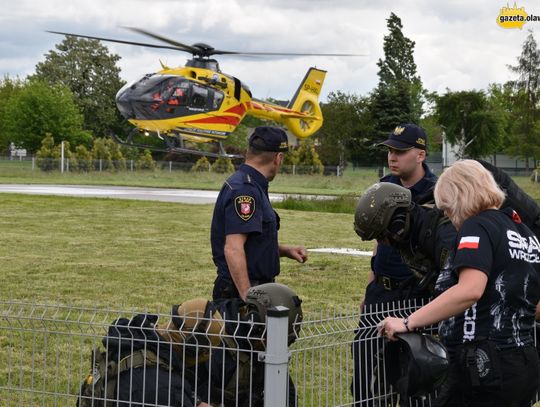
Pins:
x,y
342,250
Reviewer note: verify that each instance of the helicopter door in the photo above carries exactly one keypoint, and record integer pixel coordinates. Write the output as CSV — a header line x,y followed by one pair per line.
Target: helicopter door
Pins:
x,y
205,98
199,97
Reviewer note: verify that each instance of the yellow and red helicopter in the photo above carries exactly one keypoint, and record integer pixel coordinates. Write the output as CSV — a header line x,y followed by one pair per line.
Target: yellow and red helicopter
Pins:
x,y
199,103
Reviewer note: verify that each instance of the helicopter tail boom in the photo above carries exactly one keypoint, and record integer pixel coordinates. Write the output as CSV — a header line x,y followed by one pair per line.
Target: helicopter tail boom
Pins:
x,y
303,115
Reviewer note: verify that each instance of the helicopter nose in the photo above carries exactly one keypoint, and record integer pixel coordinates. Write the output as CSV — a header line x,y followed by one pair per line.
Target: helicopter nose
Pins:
x,y
125,99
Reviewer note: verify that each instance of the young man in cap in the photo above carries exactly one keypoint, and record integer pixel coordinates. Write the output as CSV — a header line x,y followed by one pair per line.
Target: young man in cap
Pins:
x,y
389,278
244,231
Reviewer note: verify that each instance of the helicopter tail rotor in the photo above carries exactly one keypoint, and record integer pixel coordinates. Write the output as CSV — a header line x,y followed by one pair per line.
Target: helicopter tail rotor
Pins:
x,y
306,102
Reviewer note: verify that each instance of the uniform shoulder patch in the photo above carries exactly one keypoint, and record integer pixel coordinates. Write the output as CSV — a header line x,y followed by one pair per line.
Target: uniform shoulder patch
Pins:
x,y
245,206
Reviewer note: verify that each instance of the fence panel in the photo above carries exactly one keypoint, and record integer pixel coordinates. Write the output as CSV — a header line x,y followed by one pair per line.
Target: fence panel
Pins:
x,y
46,353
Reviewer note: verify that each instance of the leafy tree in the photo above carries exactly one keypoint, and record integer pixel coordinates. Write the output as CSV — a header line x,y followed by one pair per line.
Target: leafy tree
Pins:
x,y
87,68
346,130
398,96
37,109
469,121
526,125
8,88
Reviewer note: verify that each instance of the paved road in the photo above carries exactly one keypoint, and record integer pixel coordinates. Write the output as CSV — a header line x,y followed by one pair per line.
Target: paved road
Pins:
x,y
191,196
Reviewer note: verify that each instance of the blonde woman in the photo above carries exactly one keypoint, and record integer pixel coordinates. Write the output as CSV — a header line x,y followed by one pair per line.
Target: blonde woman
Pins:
x,y
487,301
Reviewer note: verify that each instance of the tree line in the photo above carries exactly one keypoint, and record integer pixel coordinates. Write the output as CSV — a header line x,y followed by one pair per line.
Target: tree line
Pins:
x,y
71,97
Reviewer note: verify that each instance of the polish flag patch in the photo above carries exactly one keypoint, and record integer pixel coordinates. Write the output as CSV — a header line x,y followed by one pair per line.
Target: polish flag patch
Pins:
x,y
469,242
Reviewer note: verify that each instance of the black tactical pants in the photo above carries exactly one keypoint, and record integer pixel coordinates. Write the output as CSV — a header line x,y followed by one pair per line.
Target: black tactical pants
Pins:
x,y
519,375
224,288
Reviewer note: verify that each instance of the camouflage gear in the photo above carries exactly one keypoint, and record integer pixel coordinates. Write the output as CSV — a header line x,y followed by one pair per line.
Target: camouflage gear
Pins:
x,y
376,208
262,297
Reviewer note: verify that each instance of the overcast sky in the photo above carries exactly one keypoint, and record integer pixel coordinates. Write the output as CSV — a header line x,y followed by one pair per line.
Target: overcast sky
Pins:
x,y
458,43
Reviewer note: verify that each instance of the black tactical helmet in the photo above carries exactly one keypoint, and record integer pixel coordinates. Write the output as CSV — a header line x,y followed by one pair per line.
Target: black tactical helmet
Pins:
x,y
416,364
265,296
376,208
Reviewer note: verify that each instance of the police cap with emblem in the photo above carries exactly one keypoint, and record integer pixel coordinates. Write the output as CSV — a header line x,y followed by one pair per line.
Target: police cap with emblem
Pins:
x,y
405,137
266,138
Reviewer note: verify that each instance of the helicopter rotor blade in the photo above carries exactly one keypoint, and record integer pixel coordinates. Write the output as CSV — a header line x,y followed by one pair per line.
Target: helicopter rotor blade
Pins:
x,y
141,44
294,54
178,45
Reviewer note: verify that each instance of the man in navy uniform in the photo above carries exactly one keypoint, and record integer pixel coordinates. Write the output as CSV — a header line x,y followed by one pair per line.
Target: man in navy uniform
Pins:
x,y
389,278
244,232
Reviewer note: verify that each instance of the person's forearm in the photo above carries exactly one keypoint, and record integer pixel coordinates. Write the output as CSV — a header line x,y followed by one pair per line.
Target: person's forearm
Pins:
x,y
236,261
453,301
283,250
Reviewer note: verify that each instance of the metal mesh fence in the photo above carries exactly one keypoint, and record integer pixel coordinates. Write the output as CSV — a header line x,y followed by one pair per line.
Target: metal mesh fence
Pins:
x,y
53,355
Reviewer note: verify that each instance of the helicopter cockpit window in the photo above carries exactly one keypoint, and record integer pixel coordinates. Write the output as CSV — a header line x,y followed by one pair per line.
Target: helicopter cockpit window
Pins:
x,y
199,97
179,95
216,100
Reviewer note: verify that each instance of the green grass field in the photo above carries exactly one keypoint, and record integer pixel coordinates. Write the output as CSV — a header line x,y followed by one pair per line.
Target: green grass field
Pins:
x,y
149,254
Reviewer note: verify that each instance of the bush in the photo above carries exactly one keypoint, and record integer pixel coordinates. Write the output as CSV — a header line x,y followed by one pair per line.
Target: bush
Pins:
x,y
145,161
84,159
222,165
117,157
308,159
102,154
202,165
48,156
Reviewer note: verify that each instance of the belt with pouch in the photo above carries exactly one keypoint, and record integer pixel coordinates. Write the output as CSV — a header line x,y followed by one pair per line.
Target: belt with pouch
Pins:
x,y
389,283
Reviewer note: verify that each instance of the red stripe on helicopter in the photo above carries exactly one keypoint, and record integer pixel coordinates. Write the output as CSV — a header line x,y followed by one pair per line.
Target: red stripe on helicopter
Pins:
x,y
217,120
239,109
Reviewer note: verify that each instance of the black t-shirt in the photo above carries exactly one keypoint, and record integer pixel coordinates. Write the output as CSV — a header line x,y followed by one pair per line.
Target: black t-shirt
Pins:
x,y
498,244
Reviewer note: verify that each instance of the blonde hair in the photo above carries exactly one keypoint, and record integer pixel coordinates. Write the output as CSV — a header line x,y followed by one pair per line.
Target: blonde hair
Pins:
x,y
465,189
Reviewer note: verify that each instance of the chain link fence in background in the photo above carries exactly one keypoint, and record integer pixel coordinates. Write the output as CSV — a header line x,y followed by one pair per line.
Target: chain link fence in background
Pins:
x,y
513,167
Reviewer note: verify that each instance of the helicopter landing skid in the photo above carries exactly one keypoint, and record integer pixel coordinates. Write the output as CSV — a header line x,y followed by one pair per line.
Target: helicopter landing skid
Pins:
x,y
172,148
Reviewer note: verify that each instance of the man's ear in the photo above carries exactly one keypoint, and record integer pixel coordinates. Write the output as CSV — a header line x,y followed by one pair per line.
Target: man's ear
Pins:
x,y
422,155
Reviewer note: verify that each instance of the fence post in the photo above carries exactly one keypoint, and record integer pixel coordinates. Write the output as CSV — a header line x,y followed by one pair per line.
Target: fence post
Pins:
x,y
33,163
170,166
276,358
62,157
131,165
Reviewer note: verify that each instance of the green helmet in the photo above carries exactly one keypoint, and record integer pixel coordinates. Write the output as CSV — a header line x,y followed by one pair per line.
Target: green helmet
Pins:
x,y
376,208
262,297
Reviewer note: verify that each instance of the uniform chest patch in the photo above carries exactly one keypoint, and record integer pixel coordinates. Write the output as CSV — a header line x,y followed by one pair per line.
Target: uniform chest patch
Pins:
x,y
245,206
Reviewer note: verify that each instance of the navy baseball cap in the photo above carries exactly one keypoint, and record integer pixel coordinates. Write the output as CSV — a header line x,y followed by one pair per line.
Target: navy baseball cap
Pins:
x,y
266,138
405,137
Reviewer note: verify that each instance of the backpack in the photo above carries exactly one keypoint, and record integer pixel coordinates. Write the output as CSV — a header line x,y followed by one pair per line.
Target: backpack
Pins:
x,y
100,388
129,344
